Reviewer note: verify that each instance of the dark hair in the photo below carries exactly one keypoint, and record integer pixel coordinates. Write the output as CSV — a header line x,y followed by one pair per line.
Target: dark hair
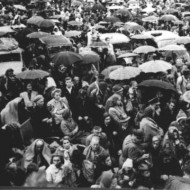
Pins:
x,y
57,155
68,78
32,167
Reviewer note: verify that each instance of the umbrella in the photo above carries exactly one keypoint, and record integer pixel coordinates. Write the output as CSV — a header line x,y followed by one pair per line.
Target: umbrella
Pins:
x,y
178,22
32,74
171,11
168,18
157,84
128,55
112,19
141,37
98,7
20,7
98,26
75,23
98,43
76,4
186,96
5,30
35,20
173,48
57,17
124,73
38,35
183,40
145,49
150,19
155,66
46,24
133,27
109,69
115,38
72,33
123,12
90,57
118,24
66,58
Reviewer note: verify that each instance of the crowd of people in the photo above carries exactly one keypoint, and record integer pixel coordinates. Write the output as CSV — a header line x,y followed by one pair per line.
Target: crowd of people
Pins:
x,y
77,127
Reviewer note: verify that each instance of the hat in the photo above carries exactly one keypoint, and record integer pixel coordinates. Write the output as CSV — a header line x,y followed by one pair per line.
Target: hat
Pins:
x,y
54,91
154,100
117,88
179,63
37,98
128,163
106,179
138,133
181,115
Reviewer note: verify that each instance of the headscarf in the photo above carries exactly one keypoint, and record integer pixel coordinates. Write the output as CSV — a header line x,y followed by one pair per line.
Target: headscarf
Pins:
x,y
30,153
10,113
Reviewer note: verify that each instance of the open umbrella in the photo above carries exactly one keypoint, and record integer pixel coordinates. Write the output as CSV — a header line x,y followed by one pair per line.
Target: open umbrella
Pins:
x,y
173,48
72,33
109,69
35,20
98,43
98,26
118,24
157,84
145,49
168,17
98,7
66,58
183,40
125,55
112,19
186,96
90,57
123,12
75,23
155,66
171,11
76,4
20,7
133,27
46,24
141,37
34,35
150,19
32,74
6,30
115,38
124,73
57,17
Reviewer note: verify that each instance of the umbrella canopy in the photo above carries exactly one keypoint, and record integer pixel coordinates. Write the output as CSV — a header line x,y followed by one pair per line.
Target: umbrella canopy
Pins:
x,y
32,74
124,73
75,23
141,37
98,7
125,55
171,11
150,19
112,19
109,69
173,48
35,20
183,40
186,96
157,84
115,38
133,27
76,4
168,17
98,43
118,24
145,49
90,57
98,26
57,17
123,12
66,58
46,24
72,33
20,7
34,35
5,30
155,66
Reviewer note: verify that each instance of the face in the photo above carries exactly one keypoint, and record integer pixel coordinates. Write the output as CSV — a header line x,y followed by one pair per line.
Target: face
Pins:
x,y
69,83
107,120
29,87
62,69
95,145
39,146
167,159
76,80
57,95
97,132
155,143
171,106
136,139
40,103
66,144
11,76
118,101
146,173
57,161
108,161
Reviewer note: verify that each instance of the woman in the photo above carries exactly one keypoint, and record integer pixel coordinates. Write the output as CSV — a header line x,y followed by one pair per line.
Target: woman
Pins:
x,y
117,113
28,95
39,153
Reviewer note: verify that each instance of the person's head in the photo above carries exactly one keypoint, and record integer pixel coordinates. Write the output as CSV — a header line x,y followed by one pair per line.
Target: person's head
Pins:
x,y
56,94
127,165
144,170
97,130
166,155
107,119
76,80
39,101
57,160
186,73
117,89
156,142
95,143
62,69
68,82
137,136
108,161
39,146
10,74
106,179
29,87
107,39
66,142
32,167
171,105
116,100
